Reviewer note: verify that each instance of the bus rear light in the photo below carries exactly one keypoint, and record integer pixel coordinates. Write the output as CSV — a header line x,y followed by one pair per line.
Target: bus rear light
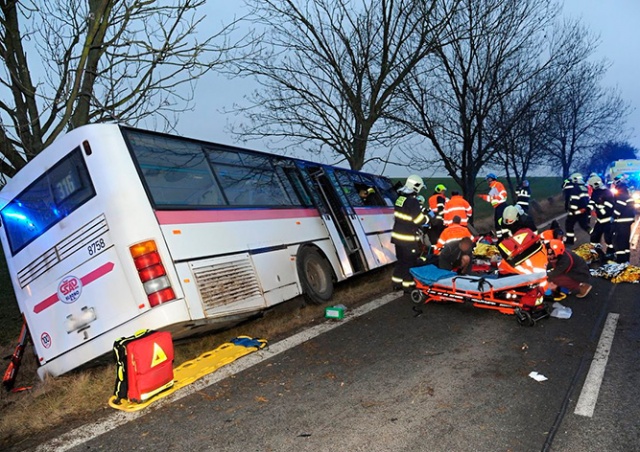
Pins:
x,y
152,273
142,248
155,271
161,296
147,260
154,285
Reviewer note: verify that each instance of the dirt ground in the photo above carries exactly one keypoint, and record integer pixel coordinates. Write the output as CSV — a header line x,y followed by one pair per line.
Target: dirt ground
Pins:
x,y
81,396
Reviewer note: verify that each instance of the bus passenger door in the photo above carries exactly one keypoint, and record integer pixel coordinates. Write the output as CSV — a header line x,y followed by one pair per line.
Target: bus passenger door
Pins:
x,y
336,216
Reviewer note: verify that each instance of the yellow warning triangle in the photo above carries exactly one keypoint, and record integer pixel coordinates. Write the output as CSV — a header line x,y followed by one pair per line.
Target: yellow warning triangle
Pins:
x,y
159,356
520,237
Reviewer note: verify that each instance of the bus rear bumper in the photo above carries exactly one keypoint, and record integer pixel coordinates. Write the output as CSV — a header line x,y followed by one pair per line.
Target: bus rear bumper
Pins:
x,y
158,318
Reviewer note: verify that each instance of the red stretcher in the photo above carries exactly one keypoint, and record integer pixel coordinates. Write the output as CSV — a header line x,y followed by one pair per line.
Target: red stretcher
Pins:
x,y
520,295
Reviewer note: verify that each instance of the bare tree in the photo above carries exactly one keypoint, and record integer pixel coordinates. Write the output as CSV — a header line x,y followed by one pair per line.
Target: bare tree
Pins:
x,y
458,103
520,149
328,69
65,63
606,153
582,115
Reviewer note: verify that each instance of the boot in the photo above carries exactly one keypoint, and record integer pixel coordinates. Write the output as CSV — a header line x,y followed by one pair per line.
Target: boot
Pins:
x,y
584,290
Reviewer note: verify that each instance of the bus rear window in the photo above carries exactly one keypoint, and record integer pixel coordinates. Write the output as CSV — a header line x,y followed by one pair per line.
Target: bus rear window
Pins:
x,y
52,197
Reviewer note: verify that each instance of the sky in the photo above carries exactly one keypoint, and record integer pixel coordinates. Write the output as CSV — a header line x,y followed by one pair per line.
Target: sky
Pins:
x,y
616,22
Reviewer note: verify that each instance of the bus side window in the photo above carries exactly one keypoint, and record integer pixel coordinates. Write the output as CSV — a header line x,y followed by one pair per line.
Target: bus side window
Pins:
x,y
348,185
386,191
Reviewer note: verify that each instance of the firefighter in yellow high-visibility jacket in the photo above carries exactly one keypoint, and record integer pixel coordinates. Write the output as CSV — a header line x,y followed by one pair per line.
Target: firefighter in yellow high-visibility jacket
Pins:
x,y
407,234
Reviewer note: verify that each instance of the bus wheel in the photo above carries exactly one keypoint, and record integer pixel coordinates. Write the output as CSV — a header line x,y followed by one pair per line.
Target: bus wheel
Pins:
x,y
315,275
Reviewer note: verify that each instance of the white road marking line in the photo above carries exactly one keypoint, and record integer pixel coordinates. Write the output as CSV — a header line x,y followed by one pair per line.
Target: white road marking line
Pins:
x,y
589,395
87,432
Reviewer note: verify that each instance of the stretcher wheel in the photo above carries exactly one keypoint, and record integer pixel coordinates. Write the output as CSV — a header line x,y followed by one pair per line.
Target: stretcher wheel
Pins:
x,y
417,296
524,317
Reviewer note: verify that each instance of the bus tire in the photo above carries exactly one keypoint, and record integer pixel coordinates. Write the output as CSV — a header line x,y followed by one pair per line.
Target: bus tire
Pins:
x,y
315,275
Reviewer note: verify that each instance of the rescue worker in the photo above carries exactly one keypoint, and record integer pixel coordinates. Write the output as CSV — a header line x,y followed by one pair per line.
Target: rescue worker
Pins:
x,y
426,242
406,232
589,187
436,210
513,219
497,196
365,195
551,234
454,231
578,209
567,270
459,206
601,203
624,214
456,255
567,186
523,195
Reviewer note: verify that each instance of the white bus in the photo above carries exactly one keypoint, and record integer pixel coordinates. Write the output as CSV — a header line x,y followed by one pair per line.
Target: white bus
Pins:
x,y
113,229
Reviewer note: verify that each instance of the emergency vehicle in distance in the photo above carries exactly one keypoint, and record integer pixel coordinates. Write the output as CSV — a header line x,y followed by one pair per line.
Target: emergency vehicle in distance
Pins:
x,y
629,170
113,229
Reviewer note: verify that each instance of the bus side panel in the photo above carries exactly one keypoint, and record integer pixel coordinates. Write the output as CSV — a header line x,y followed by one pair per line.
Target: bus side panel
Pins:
x,y
377,224
277,274
191,234
383,249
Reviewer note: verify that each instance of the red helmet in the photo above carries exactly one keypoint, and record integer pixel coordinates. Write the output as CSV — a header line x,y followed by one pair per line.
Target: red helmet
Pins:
x,y
555,247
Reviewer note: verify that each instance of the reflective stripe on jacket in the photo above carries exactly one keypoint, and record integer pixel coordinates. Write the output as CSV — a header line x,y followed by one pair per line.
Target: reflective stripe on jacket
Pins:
x,y
452,232
459,206
408,220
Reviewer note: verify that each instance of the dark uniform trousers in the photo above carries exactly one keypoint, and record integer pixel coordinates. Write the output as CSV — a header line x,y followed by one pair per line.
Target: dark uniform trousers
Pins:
x,y
621,238
407,257
582,219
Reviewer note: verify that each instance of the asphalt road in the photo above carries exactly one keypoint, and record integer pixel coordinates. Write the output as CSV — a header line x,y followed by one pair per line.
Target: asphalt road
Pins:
x,y
454,378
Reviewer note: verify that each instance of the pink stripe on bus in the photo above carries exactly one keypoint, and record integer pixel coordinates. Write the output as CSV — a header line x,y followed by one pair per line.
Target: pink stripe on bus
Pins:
x,y
374,210
216,216
86,279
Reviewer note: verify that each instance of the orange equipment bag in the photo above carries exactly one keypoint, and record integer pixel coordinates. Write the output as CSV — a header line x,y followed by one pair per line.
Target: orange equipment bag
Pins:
x,y
523,244
144,365
523,253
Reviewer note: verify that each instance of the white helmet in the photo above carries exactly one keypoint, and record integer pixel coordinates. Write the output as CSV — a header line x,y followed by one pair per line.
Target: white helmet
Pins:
x,y
576,178
595,181
414,183
510,214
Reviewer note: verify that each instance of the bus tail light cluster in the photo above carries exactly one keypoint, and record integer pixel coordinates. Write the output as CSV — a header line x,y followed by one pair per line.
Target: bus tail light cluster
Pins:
x,y
152,272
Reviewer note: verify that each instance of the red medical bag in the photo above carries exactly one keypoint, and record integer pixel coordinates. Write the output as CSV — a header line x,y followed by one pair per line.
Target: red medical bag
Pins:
x,y
144,365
